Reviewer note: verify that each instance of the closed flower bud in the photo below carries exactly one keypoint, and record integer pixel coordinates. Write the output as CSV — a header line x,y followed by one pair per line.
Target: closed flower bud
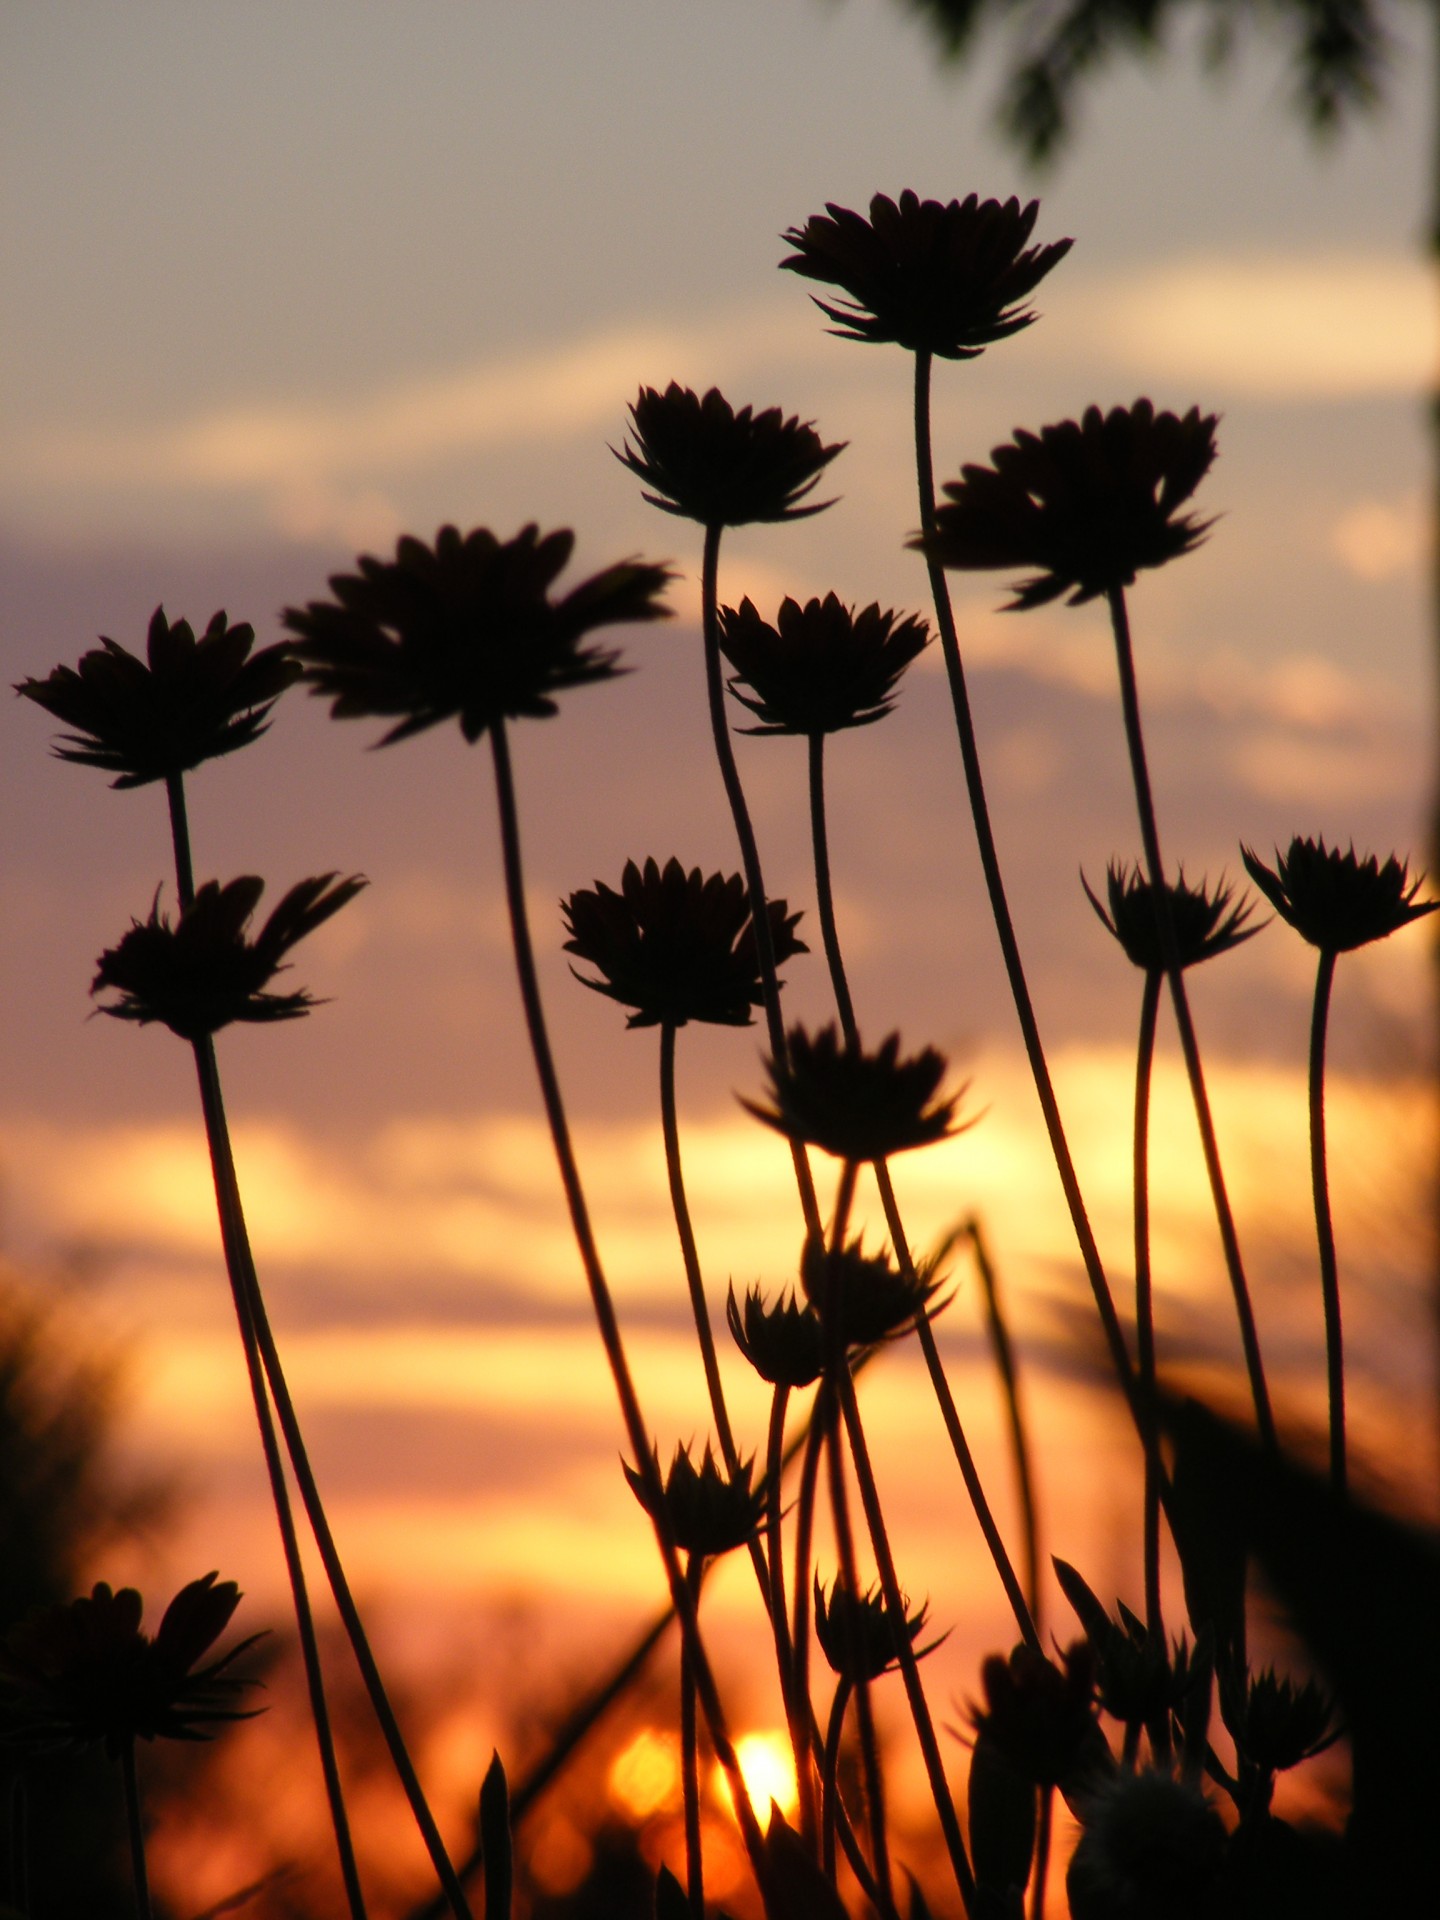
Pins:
x,y
859,1635
784,1342
875,1301
707,1512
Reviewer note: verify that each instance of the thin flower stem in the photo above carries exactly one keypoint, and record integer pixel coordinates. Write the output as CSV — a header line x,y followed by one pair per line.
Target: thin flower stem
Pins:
x,y
999,906
690,1761
797,1710
140,1880
1042,1853
824,892
1145,1304
822,1418
180,837
1189,1046
604,1308
239,1268
749,850
1324,1225
830,1777
1004,1352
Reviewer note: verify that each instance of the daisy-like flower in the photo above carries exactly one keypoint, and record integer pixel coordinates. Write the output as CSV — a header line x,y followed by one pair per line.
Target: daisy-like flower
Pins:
x,y
876,1300
84,1673
204,970
856,1105
676,946
466,630
858,1634
948,278
822,666
1337,900
1206,923
784,1342
1089,504
703,460
709,1513
187,701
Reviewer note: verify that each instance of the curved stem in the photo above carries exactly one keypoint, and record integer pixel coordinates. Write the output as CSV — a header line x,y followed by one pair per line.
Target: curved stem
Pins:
x,y
1145,1306
1324,1226
136,1828
830,1777
822,1420
1150,838
797,1709
601,1300
999,906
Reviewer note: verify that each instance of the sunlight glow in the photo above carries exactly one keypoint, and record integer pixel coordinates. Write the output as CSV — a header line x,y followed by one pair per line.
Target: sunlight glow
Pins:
x,y
644,1777
768,1770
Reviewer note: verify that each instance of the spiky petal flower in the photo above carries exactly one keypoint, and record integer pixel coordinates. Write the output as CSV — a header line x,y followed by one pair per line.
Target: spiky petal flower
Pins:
x,y
947,278
858,1634
873,1299
1337,900
466,630
703,460
204,970
187,701
83,1673
1087,503
709,1513
1205,923
784,1342
822,666
857,1105
1278,1722
676,946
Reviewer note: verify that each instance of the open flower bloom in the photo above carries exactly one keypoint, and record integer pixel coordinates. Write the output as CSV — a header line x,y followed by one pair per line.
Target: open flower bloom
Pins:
x,y
857,1105
858,1634
1088,504
676,946
822,666
204,971
944,278
874,1300
466,630
85,1672
188,700
703,460
1205,923
708,1512
1337,900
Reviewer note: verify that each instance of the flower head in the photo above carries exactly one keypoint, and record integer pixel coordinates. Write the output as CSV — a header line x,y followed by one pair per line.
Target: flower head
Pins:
x,y
1038,1715
204,971
859,1635
784,1342
1150,1844
708,1512
188,700
875,1301
1205,923
725,469
822,666
944,278
1277,1723
856,1105
466,630
1088,503
676,946
1337,900
76,1674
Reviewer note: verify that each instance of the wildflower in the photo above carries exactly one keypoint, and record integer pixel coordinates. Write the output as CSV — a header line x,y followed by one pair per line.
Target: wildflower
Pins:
x,y
858,1634
203,971
1089,504
1150,1845
1337,900
874,1299
948,279
1204,923
466,630
784,1343
856,1105
1039,1716
822,666
676,946
708,1512
722,468
1277,1724
189,700
76,1674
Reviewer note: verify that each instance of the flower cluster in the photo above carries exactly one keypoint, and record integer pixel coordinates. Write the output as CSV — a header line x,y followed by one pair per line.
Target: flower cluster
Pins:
x,y
703,460
1337,900
822,666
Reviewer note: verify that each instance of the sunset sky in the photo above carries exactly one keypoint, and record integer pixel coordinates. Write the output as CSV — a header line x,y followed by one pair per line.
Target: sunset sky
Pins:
x,y
287,280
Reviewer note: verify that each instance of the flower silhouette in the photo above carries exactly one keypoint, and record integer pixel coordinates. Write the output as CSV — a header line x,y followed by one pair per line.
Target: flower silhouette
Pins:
x,y
784,1342
189,700
466,630
706,462
708,1512
1204,923
1089,503
876,1301
948,279
858,1634
822,666
857,1105
84,1673
1040,1716
676,946
1337,900
204,971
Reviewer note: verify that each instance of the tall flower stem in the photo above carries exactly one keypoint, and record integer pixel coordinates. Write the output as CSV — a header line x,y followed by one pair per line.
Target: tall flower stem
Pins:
x,y
1189,1046
690,1758
1004,1351
235,1243
822,1422
749,850
1145,1304
1042,1852
180,838
135,1825
797,1705
1324,1225
825,905
999,906
604,1307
